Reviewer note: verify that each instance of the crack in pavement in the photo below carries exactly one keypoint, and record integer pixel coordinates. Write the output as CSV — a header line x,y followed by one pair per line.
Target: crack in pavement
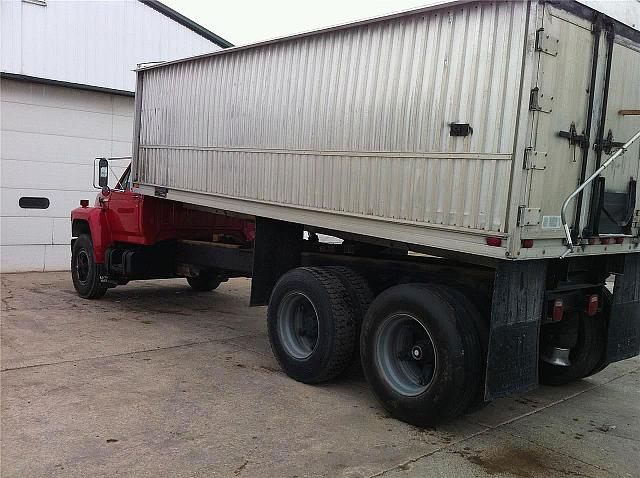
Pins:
x,y
489,428
7,294
157,349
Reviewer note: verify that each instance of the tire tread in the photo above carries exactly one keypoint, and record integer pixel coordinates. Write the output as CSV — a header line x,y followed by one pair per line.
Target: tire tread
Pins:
x,y
96,289
343,317
342,311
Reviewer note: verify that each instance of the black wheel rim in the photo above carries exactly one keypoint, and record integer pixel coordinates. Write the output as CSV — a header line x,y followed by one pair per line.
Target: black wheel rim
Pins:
x,y
82,266
297,325
405,355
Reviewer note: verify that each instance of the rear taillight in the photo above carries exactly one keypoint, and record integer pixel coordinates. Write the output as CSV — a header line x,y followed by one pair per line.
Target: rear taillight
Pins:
x,y
84,202
527,243
558,310
605,241
592,305
494,241
619,240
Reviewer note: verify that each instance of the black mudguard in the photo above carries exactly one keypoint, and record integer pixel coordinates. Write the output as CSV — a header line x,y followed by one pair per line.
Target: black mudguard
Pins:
x,y
277,249
623,338
516,314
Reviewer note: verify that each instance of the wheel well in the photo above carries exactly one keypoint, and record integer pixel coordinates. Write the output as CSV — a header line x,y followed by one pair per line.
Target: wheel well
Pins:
x,y
79,226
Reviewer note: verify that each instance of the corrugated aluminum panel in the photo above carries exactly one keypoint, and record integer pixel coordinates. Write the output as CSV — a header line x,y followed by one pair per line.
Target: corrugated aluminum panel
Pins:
x,y
563,79
623,94
353,121
95,43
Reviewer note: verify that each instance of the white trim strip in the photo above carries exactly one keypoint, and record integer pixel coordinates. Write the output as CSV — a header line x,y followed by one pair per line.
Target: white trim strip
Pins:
x,y
367,154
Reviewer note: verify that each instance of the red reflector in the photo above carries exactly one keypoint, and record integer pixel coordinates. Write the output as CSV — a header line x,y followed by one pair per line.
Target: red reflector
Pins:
x,y
605,240
84,202
527,243
619,240
592,305
494,241
558,310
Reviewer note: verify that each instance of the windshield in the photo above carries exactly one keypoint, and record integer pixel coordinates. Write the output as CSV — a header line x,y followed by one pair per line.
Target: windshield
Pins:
x,y
125,180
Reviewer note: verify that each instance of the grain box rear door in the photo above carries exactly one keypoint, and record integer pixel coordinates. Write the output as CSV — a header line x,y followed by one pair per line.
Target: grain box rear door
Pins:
x,y
615,208
560,105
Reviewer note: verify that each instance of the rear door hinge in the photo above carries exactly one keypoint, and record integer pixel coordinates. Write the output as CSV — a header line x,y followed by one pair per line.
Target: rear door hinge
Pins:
x,y
535,159
538,101
528,216
546,43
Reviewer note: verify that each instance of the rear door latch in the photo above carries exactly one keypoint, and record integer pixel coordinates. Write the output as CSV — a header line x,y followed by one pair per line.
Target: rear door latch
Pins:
x,y
608,144
575,139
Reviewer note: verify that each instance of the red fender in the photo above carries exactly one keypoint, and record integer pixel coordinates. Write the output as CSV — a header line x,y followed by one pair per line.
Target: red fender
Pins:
x,y
96,218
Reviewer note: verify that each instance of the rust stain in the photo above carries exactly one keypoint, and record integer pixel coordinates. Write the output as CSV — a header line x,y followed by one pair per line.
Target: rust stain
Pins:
x,y
522,463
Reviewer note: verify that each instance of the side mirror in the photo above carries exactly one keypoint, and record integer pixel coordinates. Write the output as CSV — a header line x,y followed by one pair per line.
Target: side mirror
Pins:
x,y
106,190
103,173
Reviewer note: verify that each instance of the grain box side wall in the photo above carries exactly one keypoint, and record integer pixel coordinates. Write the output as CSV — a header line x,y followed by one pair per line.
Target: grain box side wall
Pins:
x,y
352,122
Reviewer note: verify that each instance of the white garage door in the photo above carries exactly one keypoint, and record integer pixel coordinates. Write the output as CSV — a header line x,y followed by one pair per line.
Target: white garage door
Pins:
x,y
50,136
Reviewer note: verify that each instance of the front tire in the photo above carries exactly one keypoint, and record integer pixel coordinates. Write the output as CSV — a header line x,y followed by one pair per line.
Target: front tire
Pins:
x,y
420,354
84,270
311,324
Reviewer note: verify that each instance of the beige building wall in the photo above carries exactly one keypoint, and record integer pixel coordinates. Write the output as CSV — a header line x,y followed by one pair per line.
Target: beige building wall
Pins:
x,y
49,137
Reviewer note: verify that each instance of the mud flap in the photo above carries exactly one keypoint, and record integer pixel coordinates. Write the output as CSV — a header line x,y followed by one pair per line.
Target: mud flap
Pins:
x,y
277,249
516,313
623,338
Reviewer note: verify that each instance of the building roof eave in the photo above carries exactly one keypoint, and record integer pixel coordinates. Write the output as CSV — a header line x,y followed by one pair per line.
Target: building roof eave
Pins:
x,y
187,22
65,84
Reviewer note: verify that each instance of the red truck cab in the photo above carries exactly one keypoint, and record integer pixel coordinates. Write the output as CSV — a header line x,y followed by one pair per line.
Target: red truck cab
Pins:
x,y
127,236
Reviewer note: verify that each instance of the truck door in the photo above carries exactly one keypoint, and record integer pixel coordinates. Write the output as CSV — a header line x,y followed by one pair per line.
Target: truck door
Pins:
x,y
124,210
615,205
560,103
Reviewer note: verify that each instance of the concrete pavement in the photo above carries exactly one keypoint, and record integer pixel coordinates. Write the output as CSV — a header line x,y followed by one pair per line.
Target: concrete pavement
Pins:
x,y
156,380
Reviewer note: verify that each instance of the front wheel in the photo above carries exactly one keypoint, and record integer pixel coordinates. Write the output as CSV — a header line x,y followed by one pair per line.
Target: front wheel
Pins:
x,y
84,270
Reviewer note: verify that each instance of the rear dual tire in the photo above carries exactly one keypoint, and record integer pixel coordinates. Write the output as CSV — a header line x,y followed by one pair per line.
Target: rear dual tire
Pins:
x,y
586,355
312,324
422,346
422,354
361,297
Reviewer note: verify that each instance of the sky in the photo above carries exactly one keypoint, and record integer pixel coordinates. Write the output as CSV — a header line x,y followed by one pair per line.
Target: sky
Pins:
x,y
249,21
